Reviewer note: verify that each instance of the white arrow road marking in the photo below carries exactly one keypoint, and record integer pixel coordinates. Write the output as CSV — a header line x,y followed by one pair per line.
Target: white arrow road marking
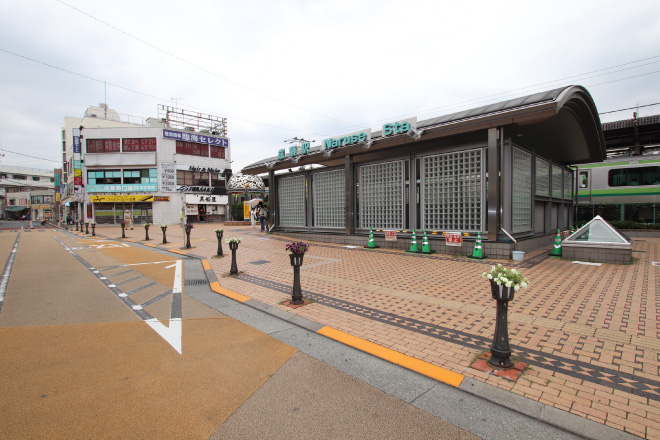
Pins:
x,y
173,333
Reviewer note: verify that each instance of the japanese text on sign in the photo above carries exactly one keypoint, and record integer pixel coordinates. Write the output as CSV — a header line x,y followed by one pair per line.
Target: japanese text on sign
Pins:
x,y
453,238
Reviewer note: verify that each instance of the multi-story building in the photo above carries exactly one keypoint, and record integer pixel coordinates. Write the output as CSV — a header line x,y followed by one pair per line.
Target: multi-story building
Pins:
x,y
24,190
174,165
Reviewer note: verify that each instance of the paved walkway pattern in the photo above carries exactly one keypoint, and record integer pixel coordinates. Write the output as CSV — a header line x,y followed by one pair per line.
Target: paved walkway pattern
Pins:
x,y
589,333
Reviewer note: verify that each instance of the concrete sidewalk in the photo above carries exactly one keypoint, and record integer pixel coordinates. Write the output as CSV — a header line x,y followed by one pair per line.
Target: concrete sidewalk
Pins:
x,y
589,333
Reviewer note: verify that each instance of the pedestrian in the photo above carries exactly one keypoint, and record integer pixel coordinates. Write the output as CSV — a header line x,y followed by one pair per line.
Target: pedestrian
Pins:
x,y
28,217
128,219
253,217
262,218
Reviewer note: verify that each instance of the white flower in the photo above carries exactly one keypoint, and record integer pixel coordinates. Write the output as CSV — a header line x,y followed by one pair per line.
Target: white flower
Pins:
x,y
489,276
523,285
499,283
516,288
513,271
508,284
484,274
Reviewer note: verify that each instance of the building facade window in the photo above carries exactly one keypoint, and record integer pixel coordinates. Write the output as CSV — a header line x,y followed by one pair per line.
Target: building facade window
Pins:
x,y
192,178
138,144
452,185
522,191
192,149
103,146
381,195
291,194
140,176
328,190
217,152
103,177
217,180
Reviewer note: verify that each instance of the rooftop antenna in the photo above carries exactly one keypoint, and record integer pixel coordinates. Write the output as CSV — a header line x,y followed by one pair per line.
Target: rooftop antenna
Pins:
x,y
105,98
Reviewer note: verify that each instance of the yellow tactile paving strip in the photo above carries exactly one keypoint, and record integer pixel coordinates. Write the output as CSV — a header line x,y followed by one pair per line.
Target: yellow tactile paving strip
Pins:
x,y
590,333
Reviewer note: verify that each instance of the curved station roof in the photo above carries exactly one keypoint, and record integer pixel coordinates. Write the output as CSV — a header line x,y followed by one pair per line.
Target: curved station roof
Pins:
x,y
561,124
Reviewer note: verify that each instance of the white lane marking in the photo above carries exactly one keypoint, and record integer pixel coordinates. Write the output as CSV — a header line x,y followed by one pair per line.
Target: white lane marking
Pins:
x,y
136,307
152,262
178,277
96,271
170,266
122,295
104,278
112,285
171,334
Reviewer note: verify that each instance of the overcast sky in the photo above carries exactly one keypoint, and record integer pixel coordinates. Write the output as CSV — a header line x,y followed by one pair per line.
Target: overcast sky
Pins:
x,y
312,69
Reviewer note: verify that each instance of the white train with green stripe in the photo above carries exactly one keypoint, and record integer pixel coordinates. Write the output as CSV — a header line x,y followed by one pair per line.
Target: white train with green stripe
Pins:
x,y
625,180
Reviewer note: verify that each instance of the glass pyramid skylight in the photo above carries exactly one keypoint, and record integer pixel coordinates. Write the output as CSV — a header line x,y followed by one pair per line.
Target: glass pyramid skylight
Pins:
x,y
598,231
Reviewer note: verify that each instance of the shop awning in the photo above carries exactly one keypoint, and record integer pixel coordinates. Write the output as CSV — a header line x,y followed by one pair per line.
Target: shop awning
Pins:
x,y
16,208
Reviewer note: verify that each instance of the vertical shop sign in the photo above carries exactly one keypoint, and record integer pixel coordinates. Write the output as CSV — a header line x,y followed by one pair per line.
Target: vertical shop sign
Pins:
x,y
167,177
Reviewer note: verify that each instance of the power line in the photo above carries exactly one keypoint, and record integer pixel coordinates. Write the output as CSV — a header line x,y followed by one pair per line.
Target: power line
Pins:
x,y
137,91
629,108
200,67
33,157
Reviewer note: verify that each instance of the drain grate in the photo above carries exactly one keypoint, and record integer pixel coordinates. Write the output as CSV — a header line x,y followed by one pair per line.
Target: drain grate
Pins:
x,y
259,262
195,282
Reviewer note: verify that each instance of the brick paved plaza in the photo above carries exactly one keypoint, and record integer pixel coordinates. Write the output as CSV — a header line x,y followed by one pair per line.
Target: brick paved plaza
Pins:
x,y
589,333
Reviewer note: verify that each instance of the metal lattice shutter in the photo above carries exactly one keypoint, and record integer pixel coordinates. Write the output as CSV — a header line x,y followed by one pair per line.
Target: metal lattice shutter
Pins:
x,y
291,198
542,177
328,189
381,196
556,182
568,183
522,191
452,191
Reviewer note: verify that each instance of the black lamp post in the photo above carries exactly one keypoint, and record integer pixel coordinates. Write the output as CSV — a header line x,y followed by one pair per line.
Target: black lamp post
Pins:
x,y
146,232
188,229
233,245
500,351
296,262
123,229
86,227
164,228
93,229
219,234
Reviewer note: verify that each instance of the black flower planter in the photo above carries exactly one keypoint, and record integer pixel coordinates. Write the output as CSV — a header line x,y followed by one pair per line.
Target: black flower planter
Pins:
x,y
164,237
219,235
146,233
86,228
123,230
296,262
234,269
500,351
93,230
188,237
76,223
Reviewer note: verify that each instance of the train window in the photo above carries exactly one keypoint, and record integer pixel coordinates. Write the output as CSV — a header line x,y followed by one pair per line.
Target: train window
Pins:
x,y
634,176
583,179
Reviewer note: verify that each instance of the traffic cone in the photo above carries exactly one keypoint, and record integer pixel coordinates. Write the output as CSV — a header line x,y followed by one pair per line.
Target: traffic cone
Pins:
x,y
556,250
413,244
426,249
372,243
478,252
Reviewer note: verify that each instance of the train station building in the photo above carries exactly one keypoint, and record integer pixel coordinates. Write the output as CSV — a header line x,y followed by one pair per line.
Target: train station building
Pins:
x,y
501,171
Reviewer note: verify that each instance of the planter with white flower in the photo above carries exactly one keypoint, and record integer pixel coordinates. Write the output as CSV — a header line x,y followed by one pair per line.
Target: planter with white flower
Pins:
x,y
296,254
218,234
146,231
503,283
233,245
164,228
